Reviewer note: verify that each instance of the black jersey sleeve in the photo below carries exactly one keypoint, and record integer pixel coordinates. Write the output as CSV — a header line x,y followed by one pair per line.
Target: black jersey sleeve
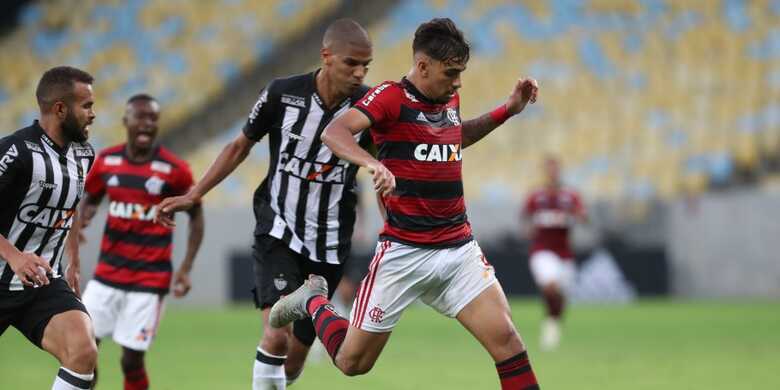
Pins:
x,y
263,113
12,154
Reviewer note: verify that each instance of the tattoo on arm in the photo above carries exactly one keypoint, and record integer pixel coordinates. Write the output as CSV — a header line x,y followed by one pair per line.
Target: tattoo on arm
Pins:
x,y
475,129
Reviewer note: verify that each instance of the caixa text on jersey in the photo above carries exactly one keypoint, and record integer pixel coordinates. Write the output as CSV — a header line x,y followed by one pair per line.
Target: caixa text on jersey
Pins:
x,y
312,170
45,217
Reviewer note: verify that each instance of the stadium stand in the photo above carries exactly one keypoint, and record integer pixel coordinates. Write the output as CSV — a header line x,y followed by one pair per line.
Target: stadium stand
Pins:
x,y
180,51
642,100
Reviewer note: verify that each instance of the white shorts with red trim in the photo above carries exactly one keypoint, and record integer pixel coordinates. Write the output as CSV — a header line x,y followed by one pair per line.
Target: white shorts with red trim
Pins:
x,y
130,317
547,267
445,279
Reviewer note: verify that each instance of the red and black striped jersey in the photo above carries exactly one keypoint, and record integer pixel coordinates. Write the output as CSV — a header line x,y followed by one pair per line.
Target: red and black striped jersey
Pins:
x,y
552,214
135,253
419,141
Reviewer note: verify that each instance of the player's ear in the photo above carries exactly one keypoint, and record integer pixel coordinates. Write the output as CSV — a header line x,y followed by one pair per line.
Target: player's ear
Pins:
x,y
326,55
60,109
422,65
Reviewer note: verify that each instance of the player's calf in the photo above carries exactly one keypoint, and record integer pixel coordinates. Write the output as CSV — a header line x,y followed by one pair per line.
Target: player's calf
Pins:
x,y
134,370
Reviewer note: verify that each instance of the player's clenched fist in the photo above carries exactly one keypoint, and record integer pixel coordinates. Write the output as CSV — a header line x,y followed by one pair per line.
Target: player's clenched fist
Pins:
x,y
30,268
170,206
384,181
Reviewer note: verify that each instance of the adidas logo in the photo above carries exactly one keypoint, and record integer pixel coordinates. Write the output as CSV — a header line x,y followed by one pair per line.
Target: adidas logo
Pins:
x,y
421,118
113,181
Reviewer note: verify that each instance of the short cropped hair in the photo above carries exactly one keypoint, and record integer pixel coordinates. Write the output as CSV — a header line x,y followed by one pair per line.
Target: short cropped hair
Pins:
x,y
441,40
141,97
57,84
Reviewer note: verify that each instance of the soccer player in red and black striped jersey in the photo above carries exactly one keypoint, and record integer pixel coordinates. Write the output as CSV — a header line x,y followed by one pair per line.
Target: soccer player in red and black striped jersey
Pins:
x,y
134,271
426,249
549,214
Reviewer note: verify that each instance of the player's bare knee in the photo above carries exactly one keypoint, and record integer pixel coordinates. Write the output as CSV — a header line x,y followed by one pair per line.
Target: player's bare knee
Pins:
x,y
354,365
80,355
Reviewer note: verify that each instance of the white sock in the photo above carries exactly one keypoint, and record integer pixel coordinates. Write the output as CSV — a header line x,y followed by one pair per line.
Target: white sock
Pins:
x,y
70,380
268,373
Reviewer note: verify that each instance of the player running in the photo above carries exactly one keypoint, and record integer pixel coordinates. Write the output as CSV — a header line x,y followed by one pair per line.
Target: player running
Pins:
x,y
305,207
133,274
426,249
42,172
548,216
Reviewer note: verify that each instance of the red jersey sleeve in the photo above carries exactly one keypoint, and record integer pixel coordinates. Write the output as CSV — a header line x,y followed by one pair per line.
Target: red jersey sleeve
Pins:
x,y
183,180
94,185
381,104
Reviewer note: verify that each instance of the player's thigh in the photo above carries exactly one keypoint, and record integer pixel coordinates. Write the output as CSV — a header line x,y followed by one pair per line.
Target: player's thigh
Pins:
x,y
464,273
488,318
546,268
360,350
43,314
68,336
397,276
138,320
103,303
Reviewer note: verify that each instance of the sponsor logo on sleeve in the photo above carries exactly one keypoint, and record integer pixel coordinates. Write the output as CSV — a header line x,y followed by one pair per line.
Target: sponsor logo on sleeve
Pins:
x,y
33,147
293,100
162,167
83,151
112,160
9,157
258,105
374,94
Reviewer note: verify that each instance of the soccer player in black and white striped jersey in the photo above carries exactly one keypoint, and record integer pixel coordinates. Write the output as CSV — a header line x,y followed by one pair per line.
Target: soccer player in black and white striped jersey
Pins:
x,y
42,172
305,208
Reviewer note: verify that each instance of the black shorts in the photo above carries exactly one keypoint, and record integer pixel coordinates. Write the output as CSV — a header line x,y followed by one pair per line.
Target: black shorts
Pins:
x,y
356,267
30,310
279,271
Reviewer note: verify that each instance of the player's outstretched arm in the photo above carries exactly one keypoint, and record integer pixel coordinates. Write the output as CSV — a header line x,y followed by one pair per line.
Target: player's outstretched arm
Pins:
x,y
339,137
228,160
181,280
525,91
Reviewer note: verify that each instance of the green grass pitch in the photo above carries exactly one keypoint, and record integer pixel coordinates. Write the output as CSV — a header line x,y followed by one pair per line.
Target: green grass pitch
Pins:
x,y
648,345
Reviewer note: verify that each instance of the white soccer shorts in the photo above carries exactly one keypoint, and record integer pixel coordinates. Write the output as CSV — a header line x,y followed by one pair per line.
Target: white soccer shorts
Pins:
x,y
131,317
445,279
547,267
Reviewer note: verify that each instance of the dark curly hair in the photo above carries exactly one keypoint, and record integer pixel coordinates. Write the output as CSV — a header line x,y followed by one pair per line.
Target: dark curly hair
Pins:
x,y
441,40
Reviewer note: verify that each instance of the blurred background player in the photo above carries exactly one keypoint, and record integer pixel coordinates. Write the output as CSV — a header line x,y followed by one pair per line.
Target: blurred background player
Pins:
x,y
548,216
426,249
305,208
133,274
42,171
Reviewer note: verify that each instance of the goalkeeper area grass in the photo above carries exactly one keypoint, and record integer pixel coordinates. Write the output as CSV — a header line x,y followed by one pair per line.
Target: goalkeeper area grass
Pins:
x,y
650,344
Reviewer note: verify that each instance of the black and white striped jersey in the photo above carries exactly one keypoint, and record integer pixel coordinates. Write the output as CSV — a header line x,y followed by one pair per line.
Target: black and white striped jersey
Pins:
x,y
40,185
308,198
